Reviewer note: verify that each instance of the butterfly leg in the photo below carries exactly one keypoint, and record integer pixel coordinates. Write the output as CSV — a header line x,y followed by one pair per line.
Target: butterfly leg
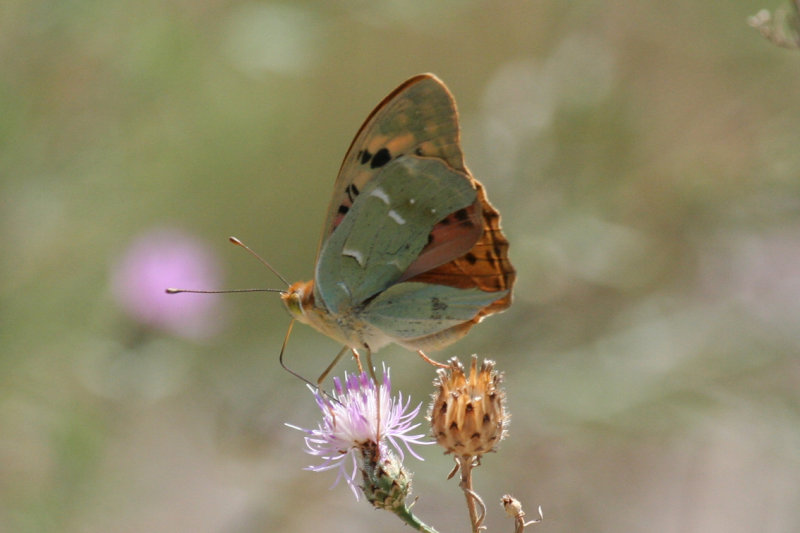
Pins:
x,y
289,370
377,395
430,361
357,357
371,367
327,371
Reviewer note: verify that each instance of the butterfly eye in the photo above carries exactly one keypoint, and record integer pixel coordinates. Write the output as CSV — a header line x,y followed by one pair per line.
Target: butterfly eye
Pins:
x,y
293,304
297,299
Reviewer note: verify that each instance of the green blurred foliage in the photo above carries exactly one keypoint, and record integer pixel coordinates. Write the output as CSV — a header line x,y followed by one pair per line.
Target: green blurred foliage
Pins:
x,y
644,156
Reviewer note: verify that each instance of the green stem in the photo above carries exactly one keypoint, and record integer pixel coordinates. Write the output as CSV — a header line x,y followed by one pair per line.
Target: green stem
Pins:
x,y
405,514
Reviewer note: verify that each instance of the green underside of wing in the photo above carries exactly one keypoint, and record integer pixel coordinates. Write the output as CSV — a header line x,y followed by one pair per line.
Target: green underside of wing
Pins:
x,y
410,310
387,227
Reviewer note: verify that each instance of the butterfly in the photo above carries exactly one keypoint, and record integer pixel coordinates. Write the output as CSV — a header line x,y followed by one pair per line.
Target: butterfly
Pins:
x,y
411,251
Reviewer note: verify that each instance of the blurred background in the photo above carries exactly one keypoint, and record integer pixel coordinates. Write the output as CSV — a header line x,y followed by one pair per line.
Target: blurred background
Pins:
x,y
646,162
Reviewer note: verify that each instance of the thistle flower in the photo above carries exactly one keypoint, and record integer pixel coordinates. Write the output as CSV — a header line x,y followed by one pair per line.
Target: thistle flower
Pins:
x,y
468,415
352,428
163,258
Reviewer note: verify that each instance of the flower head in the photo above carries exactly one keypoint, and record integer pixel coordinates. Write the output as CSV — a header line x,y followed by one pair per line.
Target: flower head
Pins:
x,y
359,418
159,259
468,414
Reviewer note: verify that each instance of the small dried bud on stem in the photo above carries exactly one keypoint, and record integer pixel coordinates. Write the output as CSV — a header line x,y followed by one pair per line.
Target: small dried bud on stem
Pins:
x,y
514,508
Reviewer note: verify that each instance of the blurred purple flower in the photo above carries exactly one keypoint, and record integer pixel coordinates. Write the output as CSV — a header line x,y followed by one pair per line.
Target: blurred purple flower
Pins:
x,y
350,425
166,258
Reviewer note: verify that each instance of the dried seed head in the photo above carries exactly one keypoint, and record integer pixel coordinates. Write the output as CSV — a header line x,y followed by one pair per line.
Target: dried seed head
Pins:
x,y
468,415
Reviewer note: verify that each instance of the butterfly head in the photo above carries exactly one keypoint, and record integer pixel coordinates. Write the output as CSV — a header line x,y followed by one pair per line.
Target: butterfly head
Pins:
x,y
301,304
298,298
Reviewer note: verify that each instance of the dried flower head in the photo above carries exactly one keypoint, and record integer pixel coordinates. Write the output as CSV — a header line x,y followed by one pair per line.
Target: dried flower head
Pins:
x,y
468,415
351,426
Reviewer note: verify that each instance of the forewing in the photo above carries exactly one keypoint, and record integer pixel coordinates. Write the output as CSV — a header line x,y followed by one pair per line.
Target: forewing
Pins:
x,y
419,117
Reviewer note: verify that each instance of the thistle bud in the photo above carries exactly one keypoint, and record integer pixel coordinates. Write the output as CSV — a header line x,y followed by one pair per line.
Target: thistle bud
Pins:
x,y
386,484
468,415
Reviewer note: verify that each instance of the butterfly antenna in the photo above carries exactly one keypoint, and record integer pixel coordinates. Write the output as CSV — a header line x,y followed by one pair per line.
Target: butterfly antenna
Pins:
x,y
263,261
224,291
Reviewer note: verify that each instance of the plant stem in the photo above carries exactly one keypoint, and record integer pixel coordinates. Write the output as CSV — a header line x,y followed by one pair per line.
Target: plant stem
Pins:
x,y
405,514
474,502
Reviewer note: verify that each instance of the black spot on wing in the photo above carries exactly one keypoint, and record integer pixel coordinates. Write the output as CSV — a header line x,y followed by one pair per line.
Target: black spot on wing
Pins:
x,y
380,158
470,257
462,215
343,209
365,156
352,192
438,308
